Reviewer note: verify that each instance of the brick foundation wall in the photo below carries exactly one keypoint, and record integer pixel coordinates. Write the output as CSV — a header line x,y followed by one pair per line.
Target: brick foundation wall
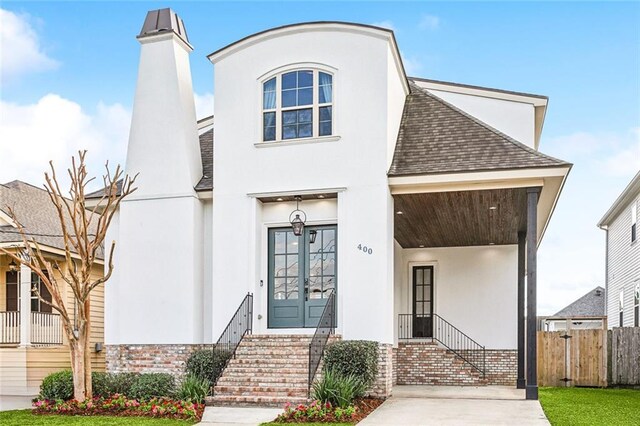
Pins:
x,y
384,380
502,366
394,368
149,358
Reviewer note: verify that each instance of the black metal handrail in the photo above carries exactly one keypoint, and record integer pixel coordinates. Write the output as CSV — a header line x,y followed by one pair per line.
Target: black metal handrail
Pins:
x,y
420,326
239,326
326,327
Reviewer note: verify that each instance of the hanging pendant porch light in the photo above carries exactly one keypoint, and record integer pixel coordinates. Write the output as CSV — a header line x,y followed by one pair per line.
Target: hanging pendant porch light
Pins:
x,y
297,223
13,266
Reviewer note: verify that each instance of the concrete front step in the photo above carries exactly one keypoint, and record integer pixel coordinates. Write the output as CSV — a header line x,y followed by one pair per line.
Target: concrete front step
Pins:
x,y
243,401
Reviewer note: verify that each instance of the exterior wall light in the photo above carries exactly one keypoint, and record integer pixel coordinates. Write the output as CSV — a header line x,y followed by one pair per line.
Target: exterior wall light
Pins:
x,y
13,266
312,236
297,223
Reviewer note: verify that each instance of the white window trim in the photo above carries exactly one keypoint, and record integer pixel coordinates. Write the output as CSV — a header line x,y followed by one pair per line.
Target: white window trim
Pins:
x,y
634,221
316,68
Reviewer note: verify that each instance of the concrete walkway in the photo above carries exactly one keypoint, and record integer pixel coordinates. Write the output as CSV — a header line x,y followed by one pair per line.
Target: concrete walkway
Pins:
x,y
15,402
457,405
238,416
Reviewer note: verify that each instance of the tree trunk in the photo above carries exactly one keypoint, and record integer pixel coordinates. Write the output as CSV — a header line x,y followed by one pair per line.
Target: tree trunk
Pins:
x,y
87,350
78,368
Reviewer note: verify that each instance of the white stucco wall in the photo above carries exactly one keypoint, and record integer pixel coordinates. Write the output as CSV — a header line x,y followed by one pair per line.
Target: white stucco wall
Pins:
x,y
158,295
354,161
475,289
516,119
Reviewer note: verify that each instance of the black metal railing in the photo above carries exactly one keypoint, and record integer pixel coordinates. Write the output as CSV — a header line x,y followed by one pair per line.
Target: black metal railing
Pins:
x,y
225,348
326,327
425,326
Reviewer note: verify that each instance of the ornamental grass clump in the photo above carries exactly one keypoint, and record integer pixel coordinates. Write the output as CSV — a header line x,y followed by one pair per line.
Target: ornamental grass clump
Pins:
x,y
337,389
193,388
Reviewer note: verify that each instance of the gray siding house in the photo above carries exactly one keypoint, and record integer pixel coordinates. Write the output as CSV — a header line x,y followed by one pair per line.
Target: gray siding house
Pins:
x,y
623,257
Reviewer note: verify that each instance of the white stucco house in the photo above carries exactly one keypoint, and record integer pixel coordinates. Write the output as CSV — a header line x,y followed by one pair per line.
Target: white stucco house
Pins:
x,y
422,203
623,257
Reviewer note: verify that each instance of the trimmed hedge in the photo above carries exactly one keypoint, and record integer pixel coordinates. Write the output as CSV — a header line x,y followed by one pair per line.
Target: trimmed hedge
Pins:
x,y
357,358
152,385
59,385
206,365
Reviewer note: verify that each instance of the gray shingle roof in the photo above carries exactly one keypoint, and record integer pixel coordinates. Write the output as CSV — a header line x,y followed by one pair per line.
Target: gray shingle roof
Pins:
x,y
589,305
206,153
437,137
34,210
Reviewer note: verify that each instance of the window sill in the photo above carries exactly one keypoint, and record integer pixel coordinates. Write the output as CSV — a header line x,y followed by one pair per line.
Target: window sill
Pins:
x,y
300,141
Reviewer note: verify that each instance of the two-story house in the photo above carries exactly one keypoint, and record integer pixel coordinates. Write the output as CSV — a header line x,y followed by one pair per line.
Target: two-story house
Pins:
x,y
620,223
327,174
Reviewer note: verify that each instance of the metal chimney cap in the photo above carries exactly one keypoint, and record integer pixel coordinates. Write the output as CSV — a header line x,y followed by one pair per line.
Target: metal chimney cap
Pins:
x,y
163,20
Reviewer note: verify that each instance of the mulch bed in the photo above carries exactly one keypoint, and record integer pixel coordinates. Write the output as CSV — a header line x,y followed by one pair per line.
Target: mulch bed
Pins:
x,y
365,407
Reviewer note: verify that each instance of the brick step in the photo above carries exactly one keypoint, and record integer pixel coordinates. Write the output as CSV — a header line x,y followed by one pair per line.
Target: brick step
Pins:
x,y
260,391
264,371
275,362
250,354
242,401
288,380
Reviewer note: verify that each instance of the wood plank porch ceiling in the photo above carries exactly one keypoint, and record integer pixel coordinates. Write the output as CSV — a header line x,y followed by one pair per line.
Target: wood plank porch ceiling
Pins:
x,y
460,218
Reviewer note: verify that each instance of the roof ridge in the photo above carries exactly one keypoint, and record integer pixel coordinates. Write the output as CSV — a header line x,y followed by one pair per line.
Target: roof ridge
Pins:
x,y
476,120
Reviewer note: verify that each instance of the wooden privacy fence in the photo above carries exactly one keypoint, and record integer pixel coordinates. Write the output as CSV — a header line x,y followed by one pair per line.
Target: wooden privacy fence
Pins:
x,y
572,358
624,356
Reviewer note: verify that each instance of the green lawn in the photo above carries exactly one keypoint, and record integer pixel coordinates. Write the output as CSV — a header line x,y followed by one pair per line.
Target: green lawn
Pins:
x,y
24,417
585,406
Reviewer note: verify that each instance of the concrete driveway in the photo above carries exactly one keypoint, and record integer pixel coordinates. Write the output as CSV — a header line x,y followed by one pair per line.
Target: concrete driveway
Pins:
x,y
453,405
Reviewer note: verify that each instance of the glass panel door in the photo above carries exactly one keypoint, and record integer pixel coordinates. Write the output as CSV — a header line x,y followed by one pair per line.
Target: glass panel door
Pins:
x,y
302,275
321,271
423,301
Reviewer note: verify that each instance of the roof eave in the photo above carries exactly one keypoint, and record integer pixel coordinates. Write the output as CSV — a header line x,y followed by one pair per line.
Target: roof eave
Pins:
x,y
623,199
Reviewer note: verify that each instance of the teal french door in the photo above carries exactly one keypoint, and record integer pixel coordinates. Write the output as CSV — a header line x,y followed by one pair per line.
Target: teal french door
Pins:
x,y
302,275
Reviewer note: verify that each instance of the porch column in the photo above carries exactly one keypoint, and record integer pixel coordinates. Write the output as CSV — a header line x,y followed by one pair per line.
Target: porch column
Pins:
x,y
520,384
25,305
532,249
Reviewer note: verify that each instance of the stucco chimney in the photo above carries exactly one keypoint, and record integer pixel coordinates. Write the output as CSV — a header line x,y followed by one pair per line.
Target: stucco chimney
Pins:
x,y
163,143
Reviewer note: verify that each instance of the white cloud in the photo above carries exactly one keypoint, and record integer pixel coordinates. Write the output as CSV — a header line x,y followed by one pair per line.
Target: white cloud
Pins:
x,y
385,24
55,128
429,22
412,64
204,105
571,256
21,49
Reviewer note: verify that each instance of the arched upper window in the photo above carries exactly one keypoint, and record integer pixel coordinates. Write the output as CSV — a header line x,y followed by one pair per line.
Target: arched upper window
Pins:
x,y
297,104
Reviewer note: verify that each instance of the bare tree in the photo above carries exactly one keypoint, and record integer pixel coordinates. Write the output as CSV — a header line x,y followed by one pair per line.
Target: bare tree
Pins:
x,y
83,233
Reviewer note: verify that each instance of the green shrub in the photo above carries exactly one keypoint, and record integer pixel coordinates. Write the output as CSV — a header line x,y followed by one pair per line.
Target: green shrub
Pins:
x,y
101,383
58,385
193,388
338,389
150,385
122,383
358,358
207,364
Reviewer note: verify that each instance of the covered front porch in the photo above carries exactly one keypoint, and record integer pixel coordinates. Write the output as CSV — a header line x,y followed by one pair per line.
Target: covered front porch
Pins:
x,y
24,319
459,284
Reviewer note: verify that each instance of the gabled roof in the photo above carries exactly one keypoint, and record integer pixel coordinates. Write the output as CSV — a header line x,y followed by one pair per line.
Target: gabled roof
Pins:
x,y
629,194
34,210
437,137
590,305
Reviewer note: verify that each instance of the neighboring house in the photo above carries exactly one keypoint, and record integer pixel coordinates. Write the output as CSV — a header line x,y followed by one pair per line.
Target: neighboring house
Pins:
x,y
418,199
32,341
586,312
623,257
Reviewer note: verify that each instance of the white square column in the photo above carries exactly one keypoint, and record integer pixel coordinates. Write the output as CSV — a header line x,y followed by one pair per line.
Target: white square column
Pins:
x,y
25,305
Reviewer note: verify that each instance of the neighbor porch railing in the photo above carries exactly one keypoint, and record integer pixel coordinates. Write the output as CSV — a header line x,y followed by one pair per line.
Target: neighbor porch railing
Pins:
x,y
326,327
435,327
241,324
46,328
10,327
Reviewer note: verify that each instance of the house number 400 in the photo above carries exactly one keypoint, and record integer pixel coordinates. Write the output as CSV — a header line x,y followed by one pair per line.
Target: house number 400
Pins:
x,y
365,249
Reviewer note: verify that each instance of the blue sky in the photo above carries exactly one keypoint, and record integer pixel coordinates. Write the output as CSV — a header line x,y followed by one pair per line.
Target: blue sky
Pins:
x,y
79,81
